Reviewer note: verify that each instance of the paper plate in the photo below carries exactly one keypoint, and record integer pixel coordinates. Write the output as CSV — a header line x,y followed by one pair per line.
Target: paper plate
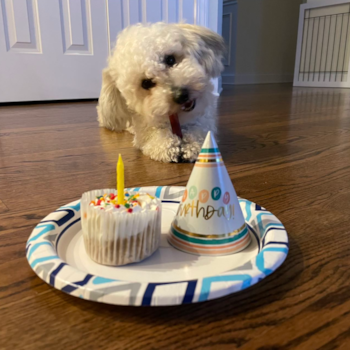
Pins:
x,y
55,251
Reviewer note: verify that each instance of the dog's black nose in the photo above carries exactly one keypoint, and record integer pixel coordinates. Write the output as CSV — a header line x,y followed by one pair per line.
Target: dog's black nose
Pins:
x,y
181,95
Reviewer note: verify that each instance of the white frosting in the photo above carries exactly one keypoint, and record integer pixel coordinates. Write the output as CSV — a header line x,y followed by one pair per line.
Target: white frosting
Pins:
x,y
141,203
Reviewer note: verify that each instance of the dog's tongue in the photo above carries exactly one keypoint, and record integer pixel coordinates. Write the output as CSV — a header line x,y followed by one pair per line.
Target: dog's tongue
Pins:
x,y
175,125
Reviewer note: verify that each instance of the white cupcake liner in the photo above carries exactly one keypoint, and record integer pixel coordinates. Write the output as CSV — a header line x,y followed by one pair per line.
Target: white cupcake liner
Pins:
x,y
116,238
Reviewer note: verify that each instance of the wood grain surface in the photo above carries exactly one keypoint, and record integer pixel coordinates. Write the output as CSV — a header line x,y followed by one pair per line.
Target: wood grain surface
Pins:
x,y
285,149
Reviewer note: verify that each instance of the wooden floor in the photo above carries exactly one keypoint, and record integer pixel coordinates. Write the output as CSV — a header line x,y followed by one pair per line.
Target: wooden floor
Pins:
x,y
285,149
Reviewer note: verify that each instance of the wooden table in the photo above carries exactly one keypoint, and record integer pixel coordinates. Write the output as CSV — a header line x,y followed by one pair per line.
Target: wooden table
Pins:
x,y
286,149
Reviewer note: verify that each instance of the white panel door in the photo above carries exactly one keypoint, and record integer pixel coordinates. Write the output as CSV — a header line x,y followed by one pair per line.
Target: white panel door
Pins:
x,y
51,49
56,49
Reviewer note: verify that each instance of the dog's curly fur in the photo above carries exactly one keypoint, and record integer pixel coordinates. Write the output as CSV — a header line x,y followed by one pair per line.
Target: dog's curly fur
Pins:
x,y
140,54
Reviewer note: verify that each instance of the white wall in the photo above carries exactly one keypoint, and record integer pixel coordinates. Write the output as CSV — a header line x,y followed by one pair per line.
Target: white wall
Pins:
x,y
265,42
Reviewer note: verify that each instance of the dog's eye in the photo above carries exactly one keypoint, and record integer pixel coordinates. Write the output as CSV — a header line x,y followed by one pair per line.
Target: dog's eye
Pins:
x,y
170,60
147,84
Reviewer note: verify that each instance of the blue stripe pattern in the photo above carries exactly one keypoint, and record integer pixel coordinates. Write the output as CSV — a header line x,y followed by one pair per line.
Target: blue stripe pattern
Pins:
x,y
206,283
275,242
69,288
272,254
40,260
158,191
45,229
269,230
36,246
54,273
247,208
75,207
147,296
263,228
65,229
189,294
260,262
255,235
101,280
188,297
62,221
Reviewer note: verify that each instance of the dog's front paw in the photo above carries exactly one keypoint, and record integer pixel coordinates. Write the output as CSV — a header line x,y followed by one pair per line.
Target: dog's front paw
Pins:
x,y
161,149
173,155
166,155
190,151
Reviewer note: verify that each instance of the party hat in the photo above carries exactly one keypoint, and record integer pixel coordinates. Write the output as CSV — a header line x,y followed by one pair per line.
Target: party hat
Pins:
x,y
209,220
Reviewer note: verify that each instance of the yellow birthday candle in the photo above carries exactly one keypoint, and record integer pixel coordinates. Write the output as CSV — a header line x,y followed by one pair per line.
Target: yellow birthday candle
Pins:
x,y
120,180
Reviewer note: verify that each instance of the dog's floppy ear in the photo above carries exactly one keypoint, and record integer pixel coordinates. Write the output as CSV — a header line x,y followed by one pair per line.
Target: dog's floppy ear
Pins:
x,y
112,111
209,50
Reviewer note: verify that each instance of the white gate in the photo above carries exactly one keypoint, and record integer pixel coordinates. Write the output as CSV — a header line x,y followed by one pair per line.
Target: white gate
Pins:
x,y
323,48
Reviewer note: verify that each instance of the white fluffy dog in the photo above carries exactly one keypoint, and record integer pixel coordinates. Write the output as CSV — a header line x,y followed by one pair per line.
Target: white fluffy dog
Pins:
x,y
158,70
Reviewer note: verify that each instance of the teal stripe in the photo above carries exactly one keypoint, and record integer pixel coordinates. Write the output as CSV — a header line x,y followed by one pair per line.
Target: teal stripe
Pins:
x,y
247,208
207,282
210,150
158,191
100,280
260,261
75,207
209,241
36,246
46,228
275,249
37,261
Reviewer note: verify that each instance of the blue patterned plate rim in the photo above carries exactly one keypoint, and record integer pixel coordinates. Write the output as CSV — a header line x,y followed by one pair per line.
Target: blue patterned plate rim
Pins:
x,y
42,257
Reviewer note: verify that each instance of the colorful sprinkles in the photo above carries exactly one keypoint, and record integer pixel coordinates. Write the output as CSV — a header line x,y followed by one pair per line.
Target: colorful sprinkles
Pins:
x,y
111,199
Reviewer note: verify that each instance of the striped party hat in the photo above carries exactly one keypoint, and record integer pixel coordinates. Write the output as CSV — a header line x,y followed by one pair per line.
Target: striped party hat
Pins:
x,y
209,220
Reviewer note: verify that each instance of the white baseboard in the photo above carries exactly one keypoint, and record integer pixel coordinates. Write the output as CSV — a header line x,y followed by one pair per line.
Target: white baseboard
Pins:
x,y
238,79
217,93
217,82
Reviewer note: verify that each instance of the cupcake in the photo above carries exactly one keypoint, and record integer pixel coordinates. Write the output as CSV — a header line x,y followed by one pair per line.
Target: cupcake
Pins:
x,y
119,234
